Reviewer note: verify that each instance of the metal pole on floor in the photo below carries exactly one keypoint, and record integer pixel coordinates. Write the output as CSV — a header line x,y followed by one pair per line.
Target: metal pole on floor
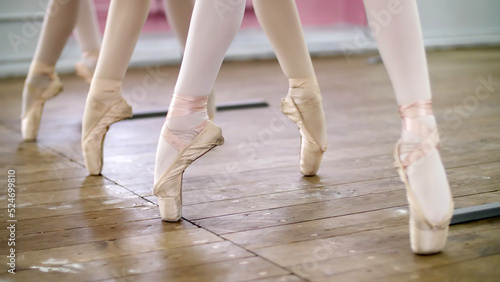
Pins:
x,y
474,213
248,104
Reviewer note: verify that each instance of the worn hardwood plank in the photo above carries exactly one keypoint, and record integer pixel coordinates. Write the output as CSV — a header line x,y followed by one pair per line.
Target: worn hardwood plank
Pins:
x,y
385,250
114,248
139,263
234,270
479,269
322,209
78,206
88,219
383,265
89,234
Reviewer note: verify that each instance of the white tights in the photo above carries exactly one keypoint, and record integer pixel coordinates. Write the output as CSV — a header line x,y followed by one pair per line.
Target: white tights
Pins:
x,y
87,27
213,27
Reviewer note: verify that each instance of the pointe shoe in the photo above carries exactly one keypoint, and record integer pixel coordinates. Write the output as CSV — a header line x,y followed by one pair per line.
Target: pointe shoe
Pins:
x,y
34,99
86,66
168,188
311,152
96,121
426,237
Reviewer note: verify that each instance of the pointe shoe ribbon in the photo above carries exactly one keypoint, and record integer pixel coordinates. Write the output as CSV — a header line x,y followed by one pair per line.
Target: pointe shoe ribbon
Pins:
x,y
426,237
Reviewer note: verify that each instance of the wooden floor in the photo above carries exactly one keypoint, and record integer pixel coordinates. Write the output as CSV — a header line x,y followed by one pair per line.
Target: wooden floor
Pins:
x,y
248,214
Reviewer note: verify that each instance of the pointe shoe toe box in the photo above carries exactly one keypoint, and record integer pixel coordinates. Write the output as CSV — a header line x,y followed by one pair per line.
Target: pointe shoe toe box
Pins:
x,y
97,119
168,188
427,241
170,209
311,153
29,126
310,158
92,155
33,100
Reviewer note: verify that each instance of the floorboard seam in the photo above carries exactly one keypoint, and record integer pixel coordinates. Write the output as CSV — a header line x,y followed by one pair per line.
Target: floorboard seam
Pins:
x,y
293,205
250,251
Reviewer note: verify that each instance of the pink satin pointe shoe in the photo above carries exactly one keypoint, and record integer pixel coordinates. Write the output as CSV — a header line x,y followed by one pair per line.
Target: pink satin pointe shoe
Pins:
x,y
168,187
97,118
41,85
426,236
308,116
86,66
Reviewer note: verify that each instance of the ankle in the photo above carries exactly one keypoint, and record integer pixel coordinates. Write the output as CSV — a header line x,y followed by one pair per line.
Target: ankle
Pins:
x,y
304,89
410,137
303,82
105,89
38,81
94,54
37,68
89,59
187,112
40,74
183,105
186,122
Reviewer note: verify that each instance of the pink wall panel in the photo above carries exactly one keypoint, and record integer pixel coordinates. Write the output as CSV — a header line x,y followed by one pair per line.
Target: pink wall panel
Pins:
x,y
330,12
312,13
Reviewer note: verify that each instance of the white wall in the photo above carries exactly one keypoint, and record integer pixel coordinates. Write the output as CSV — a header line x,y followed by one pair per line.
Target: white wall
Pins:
x,y
460,21
20,24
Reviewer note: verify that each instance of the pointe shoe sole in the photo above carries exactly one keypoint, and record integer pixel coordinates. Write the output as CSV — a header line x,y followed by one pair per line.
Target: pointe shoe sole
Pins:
x,y
311,154
425,239
93,144
170,183
31,120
